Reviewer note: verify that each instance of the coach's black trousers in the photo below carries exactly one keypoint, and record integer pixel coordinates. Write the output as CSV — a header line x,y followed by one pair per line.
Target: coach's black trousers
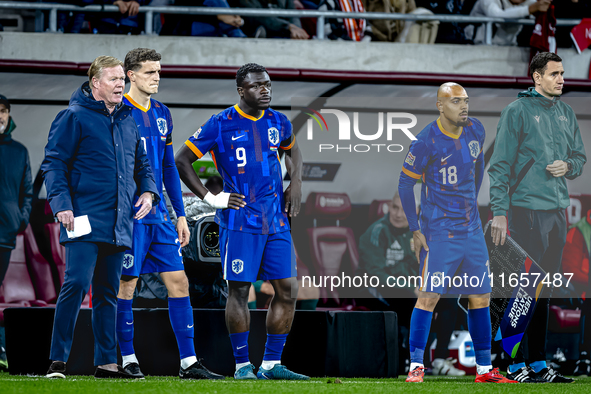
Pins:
x,y
86,263
542,234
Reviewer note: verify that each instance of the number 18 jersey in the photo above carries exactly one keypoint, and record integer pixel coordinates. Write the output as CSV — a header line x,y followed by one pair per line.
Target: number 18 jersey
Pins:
x,y
447,165
244,150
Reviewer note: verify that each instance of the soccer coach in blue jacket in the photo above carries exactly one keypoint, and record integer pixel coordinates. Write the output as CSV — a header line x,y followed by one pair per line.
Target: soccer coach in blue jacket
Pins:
x,y
95,165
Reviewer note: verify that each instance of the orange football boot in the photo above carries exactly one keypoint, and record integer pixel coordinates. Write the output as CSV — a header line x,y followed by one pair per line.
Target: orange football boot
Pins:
x,y
416,375
493,376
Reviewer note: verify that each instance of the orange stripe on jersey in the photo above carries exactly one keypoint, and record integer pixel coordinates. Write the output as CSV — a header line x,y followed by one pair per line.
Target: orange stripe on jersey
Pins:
x,y
447,133
247,116
288,147
215,163
135,104
410,173
194,149
169,144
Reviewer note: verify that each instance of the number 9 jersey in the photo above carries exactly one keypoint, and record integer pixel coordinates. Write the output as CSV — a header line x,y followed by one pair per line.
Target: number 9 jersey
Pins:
x,y
447,165
244,151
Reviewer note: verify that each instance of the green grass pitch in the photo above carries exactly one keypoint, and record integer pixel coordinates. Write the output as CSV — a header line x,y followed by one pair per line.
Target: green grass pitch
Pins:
x,y
165,385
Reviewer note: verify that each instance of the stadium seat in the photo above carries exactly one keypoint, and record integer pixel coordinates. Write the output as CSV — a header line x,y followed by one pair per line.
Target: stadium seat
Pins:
x,y
17,289
563,320
58,254
39,269
333,248
377,209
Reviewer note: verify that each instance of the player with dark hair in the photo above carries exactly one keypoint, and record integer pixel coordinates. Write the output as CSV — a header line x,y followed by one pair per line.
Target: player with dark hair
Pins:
x,y
156,243
447,155
252,212
537,148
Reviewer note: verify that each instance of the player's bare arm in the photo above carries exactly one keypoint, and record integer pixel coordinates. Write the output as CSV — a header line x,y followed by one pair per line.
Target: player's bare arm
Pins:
x,y
184,160
419,242
293,193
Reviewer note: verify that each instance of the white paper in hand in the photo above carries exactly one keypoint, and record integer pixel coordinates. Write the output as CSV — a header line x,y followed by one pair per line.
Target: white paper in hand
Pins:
x,y
81,227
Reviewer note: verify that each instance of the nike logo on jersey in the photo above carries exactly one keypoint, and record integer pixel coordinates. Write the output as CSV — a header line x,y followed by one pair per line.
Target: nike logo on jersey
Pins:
x,y
240,347
240,136
128,323
445,158
190,326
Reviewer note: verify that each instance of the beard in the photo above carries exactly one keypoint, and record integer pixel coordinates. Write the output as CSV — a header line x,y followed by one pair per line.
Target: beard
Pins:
x,y
463,123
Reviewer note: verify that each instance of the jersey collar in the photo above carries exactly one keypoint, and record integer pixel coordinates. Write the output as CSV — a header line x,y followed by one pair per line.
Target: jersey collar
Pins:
x,y
447,133
247,116
132,101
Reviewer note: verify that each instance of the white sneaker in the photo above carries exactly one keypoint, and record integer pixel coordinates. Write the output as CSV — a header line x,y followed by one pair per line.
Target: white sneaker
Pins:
x,y
446,367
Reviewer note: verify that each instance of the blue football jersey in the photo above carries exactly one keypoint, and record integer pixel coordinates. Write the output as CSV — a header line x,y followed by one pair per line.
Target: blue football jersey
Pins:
x,y
244,150
155,126
446,163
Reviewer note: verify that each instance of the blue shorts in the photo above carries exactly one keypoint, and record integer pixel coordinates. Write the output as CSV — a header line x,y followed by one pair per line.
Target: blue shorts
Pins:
x,y
156,248
456,266
247,257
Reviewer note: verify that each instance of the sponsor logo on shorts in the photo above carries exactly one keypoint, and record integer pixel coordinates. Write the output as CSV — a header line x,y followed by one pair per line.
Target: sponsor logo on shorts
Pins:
x,y
127,261
237,266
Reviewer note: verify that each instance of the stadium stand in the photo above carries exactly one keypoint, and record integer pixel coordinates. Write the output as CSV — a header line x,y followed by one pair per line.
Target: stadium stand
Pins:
x,y
39,269
333,248
17,289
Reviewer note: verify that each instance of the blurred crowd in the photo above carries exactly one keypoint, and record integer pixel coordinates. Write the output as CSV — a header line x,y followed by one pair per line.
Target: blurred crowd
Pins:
x,y
129,21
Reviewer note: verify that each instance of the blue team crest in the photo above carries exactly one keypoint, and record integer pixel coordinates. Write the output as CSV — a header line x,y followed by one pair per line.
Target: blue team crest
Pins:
x,y
162,126
237,266
474,148
127,261
273,136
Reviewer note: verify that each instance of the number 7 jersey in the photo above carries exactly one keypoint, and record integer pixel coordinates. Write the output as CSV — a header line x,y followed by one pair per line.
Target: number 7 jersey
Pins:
x,y
244,150
447,165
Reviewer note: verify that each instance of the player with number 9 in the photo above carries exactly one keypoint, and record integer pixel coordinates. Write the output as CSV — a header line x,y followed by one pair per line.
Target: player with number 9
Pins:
x,y
255,240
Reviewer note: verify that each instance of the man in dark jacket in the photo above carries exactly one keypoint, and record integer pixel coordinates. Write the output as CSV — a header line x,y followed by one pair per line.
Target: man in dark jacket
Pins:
x,y
538,147
94,162
15,195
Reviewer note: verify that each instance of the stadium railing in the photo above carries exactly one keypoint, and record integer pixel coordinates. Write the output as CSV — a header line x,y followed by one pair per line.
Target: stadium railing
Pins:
x,y
149,12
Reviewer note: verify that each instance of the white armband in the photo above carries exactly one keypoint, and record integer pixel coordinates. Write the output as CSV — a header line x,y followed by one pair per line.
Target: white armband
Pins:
x,y
219,201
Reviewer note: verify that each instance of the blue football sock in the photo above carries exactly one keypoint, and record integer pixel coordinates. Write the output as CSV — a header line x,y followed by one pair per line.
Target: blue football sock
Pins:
x,y
480,331
181,320
515,367
274,347
125,326
537,366
240,346
420,324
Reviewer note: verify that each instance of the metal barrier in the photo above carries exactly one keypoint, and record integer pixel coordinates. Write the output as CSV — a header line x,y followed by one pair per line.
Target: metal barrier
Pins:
x,y
321,15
